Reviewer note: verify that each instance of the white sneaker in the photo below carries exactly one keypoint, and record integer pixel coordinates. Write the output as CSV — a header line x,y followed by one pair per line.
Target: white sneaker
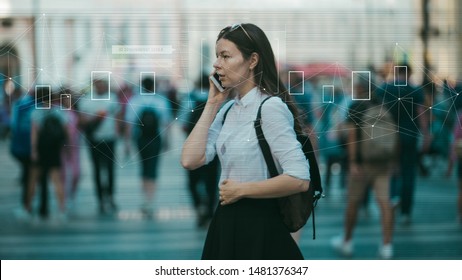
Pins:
x,y
343,247
386,251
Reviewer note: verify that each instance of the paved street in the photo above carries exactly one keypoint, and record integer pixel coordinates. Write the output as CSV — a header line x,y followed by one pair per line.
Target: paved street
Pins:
x,y
172,234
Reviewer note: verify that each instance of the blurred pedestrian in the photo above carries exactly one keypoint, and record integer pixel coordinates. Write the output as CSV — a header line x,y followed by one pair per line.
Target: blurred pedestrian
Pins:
x,y
148,119
20,145
247,223
71,152
302,93
441,119
99,117
456,156
406,103
366,171
166,88
48,137
332,137
204,205
124,94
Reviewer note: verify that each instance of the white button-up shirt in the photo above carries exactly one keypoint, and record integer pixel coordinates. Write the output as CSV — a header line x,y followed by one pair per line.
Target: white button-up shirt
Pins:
x,y
236,143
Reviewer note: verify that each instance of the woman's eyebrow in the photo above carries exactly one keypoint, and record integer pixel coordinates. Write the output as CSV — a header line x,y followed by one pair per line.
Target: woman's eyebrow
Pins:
x,y
224,51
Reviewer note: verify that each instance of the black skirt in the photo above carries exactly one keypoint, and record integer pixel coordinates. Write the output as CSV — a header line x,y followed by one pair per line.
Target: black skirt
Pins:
x,y
250,229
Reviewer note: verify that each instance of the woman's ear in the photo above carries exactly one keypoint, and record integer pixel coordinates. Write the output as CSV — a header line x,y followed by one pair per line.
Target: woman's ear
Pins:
x,y
254,59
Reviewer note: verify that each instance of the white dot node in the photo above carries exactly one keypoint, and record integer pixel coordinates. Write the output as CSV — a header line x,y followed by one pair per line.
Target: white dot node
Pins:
x,y
372,125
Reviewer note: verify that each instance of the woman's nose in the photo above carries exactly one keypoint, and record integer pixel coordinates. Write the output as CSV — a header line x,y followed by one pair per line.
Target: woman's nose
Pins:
x,y
217,63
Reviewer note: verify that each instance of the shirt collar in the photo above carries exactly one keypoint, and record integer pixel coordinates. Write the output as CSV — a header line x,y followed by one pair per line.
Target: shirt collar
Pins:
x,y
249,98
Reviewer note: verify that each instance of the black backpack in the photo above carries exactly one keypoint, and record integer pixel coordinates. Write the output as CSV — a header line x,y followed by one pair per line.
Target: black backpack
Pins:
x,y
295,209
52,134
149,122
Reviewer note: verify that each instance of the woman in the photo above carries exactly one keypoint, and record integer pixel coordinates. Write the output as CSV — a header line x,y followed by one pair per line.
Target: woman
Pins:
x,y
70,155
247,224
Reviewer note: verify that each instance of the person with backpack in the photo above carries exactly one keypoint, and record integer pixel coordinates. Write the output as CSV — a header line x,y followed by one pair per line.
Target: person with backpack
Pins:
x,y
48,138
20,145
247,223
148,117
371,147
406,103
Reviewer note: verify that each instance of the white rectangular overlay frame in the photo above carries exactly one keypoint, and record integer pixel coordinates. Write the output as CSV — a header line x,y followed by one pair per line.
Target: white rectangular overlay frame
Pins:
x,y
330,92
353,84
144,75
302,81
98,73
49,97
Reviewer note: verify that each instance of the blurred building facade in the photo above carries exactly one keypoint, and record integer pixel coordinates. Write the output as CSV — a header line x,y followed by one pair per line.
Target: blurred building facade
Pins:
x,y
61,42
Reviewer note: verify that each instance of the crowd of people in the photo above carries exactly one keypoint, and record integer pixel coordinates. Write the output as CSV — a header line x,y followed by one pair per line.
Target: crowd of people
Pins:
x,y
416,123
381,136
49,127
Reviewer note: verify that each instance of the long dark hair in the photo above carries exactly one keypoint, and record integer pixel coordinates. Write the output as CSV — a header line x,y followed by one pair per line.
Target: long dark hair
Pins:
x,y
249,38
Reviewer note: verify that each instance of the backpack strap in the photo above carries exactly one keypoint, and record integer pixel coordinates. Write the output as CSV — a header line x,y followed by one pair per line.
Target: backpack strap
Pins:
x,y
264,146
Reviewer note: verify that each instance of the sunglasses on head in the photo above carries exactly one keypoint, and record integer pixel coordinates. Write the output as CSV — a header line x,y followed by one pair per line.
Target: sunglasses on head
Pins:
x,y
236,26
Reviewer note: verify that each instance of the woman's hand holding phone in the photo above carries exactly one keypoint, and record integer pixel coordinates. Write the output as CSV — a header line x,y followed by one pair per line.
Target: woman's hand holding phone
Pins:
x,y
217,93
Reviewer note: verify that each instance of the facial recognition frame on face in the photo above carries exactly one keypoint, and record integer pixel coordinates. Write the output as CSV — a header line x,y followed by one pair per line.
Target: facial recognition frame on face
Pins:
x,y
400,71
41,105
101,76
302,80
360,75
62,97
144,75
328,93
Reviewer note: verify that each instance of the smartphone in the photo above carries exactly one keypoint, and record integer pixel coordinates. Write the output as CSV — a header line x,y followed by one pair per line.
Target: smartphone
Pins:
x,y
216,80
